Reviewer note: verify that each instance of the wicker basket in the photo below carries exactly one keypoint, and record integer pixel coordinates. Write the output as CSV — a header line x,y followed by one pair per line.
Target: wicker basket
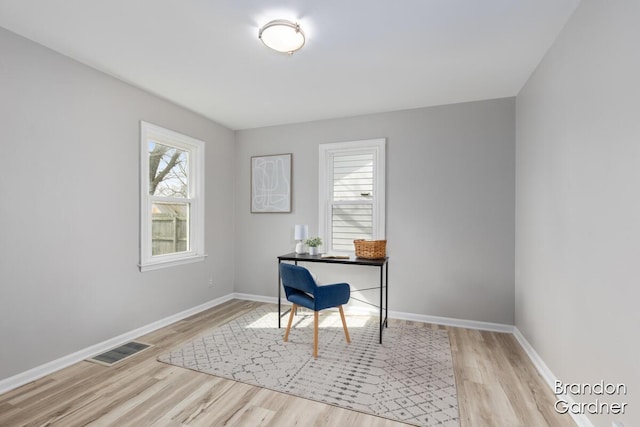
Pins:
x,y
370,249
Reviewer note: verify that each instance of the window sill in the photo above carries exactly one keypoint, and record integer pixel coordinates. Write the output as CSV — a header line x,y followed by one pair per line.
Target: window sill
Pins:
x,y
156,265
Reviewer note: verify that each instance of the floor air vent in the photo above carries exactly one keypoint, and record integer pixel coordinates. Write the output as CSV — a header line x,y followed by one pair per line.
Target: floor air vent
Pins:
x,y
118,354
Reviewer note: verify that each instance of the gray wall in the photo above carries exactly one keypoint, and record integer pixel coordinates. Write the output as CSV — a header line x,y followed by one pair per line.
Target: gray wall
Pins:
x,y
578,204
450,207
69,207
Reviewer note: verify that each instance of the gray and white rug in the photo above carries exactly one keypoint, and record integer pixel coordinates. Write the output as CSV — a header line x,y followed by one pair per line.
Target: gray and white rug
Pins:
x,y
408,378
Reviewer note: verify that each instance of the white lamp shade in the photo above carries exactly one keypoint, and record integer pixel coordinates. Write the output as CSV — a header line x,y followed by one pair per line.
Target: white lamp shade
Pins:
x,y
301,232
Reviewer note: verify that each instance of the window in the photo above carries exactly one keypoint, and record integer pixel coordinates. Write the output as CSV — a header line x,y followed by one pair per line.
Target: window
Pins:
x,y
171,198
351,193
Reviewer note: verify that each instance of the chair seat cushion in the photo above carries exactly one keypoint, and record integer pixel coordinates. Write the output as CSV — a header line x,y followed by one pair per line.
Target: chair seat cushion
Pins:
x,y
300,298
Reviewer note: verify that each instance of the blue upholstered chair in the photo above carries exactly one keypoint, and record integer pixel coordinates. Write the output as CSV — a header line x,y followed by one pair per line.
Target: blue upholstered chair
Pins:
x,y
301,290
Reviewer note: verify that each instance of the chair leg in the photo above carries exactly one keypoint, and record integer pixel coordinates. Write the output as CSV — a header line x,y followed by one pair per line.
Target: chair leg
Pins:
x,y
293,310
315,334
344,325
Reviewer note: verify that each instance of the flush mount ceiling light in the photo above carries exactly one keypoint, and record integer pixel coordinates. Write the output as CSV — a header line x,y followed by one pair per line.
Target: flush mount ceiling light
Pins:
x,y
282,35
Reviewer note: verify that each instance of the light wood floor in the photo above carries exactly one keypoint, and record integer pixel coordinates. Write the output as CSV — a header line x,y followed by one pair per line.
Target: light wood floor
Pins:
x,y
497,386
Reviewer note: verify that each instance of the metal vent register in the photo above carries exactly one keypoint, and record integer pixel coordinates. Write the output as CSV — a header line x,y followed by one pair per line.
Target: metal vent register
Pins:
x,y
118,354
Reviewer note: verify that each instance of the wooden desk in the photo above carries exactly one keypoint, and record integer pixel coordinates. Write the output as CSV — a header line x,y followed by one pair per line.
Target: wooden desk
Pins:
x,y
382,264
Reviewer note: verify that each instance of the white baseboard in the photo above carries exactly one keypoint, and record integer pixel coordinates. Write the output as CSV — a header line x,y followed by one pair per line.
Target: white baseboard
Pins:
x,y
450,321
580,419
447,321
274,300
259,298
55,365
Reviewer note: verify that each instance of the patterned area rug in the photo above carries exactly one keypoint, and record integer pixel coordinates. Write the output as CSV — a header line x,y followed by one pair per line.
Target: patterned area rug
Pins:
x,y
408,378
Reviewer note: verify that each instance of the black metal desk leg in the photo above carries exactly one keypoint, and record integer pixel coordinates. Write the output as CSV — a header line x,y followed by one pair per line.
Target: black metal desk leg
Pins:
x,y
381,308
386,289
279,294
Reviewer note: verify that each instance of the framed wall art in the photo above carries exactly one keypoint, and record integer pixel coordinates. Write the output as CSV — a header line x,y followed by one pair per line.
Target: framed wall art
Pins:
x,y
271,183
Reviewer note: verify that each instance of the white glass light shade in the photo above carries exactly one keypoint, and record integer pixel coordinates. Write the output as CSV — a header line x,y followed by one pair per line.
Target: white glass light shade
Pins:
x,y
301,232
282,35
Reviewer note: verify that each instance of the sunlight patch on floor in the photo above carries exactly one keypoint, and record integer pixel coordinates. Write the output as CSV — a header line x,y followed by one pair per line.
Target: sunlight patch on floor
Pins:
x,y
304,318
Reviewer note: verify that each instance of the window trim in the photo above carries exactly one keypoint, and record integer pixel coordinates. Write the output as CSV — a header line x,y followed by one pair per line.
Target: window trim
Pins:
x,y
326,153
196,149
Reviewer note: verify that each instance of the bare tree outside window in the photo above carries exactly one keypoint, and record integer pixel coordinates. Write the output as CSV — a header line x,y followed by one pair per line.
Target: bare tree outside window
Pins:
x,y
168,178
167,171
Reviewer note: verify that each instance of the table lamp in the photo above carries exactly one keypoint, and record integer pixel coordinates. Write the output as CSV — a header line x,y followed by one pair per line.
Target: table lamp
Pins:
x,y
300,234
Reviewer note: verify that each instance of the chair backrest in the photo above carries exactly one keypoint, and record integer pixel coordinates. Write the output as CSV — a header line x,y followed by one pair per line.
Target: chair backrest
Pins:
x,y
296,277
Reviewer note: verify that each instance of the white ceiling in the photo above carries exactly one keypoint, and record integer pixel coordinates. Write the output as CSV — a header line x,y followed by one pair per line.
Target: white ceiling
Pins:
x,y
361,56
